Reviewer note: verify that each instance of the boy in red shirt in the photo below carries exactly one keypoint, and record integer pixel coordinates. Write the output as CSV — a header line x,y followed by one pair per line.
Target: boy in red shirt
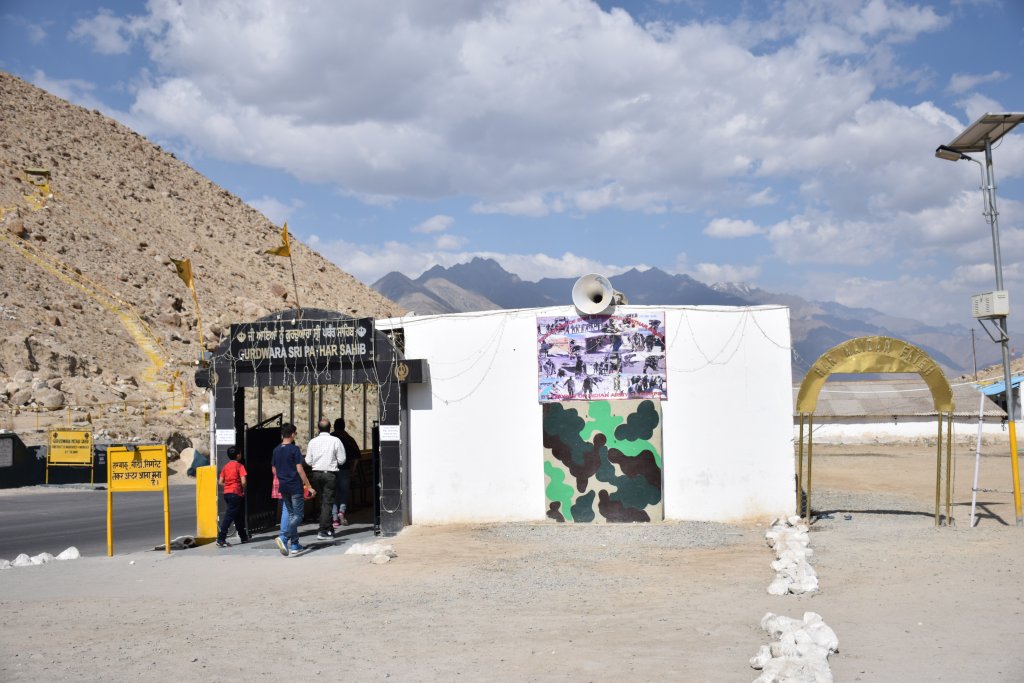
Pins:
x,y
232,478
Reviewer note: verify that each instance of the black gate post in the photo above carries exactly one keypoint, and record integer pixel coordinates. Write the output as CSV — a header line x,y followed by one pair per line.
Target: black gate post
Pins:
x,y
392,504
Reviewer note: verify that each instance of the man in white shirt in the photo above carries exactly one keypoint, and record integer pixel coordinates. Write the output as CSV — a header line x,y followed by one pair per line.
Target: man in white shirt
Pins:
x,y
324,454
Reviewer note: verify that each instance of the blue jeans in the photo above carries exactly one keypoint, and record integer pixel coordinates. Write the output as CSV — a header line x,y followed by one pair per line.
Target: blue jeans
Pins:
x,y
233,514
292,505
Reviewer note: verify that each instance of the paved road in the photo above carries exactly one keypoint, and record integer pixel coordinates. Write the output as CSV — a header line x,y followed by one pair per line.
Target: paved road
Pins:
x,y
39,520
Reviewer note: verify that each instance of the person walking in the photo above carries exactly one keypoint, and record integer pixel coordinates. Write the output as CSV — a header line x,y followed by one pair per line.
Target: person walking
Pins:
x,y
324,453
292,482
346,465
232,480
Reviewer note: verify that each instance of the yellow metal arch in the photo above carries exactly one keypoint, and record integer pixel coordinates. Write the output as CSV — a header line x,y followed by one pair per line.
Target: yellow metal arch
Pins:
x,y
874,354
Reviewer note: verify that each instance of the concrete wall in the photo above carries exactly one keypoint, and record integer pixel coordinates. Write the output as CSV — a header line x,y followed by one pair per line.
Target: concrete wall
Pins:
x,y
904,430
476,449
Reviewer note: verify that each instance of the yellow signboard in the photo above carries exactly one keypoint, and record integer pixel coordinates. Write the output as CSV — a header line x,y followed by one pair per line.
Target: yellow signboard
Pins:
x,y
143,468
70,447
137,468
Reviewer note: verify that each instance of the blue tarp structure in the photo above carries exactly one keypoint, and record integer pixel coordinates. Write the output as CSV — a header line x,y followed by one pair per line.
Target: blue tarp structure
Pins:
x,y
1000,386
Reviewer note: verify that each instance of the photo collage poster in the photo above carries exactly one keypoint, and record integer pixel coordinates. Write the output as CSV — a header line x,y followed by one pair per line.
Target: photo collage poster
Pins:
x,y
601,357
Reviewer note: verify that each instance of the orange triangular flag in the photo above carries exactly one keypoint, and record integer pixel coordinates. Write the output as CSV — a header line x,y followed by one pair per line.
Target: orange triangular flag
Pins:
x,y
285,248
184,268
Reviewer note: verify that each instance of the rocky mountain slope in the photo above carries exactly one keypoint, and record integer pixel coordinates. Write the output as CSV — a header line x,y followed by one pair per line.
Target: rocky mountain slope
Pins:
x,y
95,324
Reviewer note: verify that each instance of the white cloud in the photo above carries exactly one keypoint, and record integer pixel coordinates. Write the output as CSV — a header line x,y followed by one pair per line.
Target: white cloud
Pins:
x,y
546,106
923,298
961,83
710,273
35,32
532,206
976,105
534,108
727,228
111,34
763,198
438,223
718,272
449,242
277,211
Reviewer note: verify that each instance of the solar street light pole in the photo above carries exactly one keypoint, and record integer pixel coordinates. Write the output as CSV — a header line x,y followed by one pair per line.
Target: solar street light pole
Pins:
x,y
977,137
1004,337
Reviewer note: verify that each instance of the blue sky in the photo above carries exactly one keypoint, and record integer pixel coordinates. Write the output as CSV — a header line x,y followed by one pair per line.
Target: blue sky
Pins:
x,y
786,144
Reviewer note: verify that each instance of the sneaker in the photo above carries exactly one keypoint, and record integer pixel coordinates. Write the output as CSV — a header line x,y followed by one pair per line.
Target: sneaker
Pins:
x,y
223,544
325,536
297,550
343,520
281,546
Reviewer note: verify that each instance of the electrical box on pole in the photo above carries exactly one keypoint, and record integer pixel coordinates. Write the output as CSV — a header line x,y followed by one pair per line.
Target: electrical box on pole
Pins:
x,y
991,305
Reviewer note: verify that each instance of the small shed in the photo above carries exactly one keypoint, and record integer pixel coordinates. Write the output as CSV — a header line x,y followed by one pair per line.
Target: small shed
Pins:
x,y
899,411
997,392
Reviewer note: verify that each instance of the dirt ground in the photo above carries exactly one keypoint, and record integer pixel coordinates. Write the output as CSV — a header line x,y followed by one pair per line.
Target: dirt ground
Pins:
x,y
549,602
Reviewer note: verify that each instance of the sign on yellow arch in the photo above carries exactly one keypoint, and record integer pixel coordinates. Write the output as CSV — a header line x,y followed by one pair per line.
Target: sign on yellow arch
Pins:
x,y
874,354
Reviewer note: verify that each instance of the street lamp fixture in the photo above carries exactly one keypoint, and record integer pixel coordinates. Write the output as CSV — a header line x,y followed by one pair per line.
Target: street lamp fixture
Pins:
x,y
950,154
978,137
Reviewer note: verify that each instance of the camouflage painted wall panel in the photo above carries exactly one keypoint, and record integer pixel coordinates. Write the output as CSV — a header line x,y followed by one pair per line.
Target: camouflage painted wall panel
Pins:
x,y
602,461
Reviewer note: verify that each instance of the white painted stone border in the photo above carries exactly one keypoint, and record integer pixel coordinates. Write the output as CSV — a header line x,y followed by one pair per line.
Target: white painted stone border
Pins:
x,y
381,553
24,560
793,573
799,651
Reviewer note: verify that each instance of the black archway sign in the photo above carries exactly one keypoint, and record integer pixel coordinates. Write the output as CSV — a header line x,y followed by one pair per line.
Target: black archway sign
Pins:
x,y
322,348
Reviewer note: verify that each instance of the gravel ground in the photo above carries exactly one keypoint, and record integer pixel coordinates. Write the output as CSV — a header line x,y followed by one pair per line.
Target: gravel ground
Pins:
x,y
547,601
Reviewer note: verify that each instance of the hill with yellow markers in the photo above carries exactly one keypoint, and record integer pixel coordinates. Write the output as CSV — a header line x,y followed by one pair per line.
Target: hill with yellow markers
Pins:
x,y
96,327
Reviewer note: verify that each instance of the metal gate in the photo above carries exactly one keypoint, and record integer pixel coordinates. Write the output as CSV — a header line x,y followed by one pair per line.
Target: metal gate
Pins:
x,y
261,511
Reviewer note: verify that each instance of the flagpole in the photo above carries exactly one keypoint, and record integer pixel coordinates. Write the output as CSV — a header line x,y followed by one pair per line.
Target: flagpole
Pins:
x,y
184,269
286,250
199,324
295,284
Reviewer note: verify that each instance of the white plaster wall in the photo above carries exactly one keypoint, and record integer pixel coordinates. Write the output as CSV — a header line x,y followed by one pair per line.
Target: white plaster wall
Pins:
x,y
476,451
905,430
728,451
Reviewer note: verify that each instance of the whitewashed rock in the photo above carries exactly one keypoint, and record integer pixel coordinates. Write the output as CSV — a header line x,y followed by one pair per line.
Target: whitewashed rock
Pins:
x,y
70,554
763,656
381,559
793,572
820,632
42,558
370,549
795,656
22,560
5,564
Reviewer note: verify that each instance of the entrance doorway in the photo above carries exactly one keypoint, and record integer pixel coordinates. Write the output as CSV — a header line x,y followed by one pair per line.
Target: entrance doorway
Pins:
x,y
304,361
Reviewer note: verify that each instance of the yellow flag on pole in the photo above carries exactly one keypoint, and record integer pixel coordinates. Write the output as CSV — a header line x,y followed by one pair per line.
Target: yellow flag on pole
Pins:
x,y
184,268
285,248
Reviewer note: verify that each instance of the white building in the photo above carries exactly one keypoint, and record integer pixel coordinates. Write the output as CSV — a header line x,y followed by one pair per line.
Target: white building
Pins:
x,y
476,444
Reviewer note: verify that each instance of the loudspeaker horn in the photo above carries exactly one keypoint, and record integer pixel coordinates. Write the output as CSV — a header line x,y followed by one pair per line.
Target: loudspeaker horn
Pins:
x,y
593,294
